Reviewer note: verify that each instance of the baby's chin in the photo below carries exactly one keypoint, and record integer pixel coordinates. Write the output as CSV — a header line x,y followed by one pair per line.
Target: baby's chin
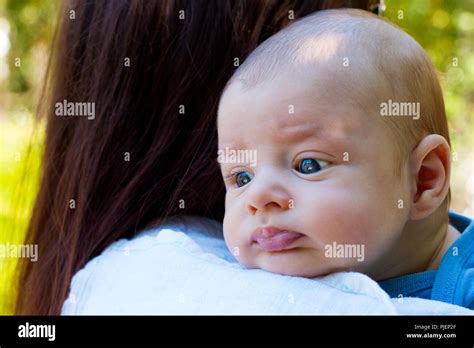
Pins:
x,y
295,272
282,263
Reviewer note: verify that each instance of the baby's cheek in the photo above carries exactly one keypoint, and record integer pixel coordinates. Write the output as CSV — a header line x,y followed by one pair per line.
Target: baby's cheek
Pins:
x,y
235,237
343,218
229,227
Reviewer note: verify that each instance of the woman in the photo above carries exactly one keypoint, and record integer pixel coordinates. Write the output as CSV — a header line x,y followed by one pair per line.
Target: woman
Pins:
x,y
153,71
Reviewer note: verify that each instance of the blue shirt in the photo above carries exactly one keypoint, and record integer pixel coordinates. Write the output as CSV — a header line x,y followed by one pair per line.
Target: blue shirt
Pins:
x,y
453,281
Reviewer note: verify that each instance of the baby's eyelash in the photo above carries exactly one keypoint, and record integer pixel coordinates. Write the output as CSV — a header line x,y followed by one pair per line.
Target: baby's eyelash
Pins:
x,y
231,175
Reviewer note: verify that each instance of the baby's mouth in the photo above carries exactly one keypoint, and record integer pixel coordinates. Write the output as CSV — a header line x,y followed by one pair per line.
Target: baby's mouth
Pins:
x,y
274,239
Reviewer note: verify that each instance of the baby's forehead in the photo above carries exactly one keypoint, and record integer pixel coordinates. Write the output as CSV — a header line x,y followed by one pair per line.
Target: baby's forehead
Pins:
x,y
303,93
287,110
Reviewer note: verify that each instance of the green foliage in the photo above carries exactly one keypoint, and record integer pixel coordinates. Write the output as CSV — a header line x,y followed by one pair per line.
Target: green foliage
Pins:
x,y
19,176
445,29
31,26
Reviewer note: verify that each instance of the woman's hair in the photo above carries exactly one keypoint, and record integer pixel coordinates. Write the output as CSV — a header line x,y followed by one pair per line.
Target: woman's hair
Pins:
x,y
153,71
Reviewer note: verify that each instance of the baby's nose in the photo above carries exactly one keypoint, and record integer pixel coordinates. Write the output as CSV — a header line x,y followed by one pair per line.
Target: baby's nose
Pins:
x,y
265,196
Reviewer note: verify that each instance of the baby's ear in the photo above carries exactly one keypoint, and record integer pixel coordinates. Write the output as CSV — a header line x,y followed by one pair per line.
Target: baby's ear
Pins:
x,y
430,165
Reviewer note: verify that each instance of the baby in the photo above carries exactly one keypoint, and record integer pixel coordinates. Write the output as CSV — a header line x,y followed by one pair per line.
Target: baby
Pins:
x,y
343,117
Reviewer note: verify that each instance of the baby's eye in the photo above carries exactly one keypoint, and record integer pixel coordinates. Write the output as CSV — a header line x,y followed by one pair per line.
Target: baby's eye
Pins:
x,y
310,165
242,178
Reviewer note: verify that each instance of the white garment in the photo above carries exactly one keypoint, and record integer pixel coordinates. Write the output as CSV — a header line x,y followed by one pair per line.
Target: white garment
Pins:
x,y
186,268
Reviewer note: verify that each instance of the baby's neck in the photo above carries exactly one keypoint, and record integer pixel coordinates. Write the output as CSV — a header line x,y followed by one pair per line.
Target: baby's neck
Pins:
x,y
421,248
450,237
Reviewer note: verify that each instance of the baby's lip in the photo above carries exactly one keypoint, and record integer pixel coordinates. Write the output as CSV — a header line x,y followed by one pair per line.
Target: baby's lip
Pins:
x,y
274,239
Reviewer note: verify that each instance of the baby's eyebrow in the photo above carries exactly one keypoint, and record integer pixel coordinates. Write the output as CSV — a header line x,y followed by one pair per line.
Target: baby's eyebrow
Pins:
x,y
233,145
290,132
299,134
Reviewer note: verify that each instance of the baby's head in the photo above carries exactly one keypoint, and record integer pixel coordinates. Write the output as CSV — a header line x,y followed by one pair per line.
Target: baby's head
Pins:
x,y
343,117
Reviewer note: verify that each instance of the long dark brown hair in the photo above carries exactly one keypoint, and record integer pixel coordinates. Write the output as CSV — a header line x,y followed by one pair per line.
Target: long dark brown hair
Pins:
x,y
150,152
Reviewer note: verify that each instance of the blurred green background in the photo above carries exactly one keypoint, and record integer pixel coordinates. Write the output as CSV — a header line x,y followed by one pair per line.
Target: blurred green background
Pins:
x,y
444,28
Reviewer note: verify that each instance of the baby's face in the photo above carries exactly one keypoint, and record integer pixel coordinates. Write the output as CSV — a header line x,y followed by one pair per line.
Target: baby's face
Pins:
x,y
324,178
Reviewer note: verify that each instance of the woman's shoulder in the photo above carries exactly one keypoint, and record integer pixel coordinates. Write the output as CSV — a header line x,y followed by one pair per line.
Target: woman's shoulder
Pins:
x,y
184,267
149,253
191,232
205,232
185,231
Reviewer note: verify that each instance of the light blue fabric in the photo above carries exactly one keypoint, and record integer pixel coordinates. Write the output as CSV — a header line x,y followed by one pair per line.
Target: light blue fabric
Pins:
x,y
453,282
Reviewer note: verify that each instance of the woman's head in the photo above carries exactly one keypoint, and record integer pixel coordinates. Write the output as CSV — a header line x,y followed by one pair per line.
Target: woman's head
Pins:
x,y
154,71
